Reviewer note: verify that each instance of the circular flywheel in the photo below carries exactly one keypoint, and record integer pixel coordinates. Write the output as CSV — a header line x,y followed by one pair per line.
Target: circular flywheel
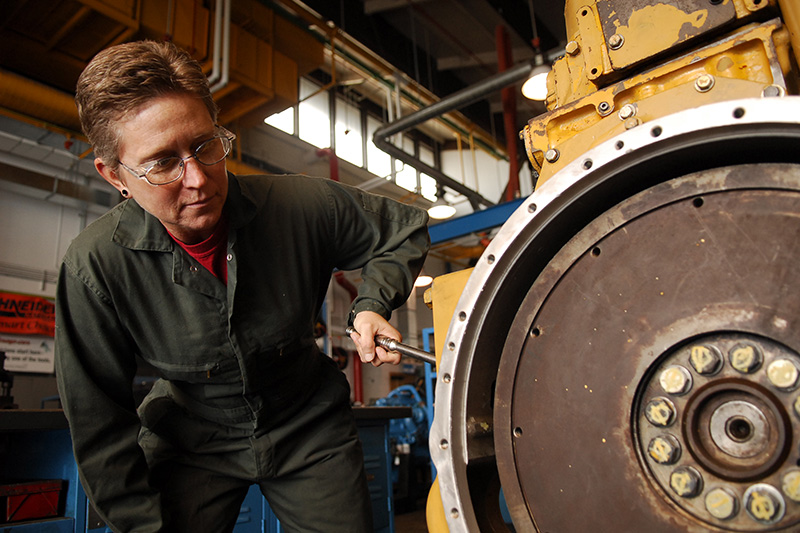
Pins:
x,y
626,354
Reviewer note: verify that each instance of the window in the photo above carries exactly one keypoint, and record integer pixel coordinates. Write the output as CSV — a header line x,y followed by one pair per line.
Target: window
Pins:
x,y
378,161
427,183
406,174
284,120
349,144
314,114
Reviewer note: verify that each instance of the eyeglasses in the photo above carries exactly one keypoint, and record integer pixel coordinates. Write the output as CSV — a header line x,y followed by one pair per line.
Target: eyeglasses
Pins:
x,y
169,169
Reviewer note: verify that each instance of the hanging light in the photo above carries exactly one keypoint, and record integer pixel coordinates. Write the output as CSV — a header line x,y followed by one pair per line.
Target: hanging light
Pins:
x,y
535,87
423,280
441,209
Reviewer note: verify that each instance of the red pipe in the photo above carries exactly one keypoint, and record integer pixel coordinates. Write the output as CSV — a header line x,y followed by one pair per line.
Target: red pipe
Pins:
x,y
333,160
504,62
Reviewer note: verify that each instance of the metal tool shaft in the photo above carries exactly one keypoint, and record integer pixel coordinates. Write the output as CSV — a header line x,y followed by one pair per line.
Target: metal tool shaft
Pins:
x,y
404,349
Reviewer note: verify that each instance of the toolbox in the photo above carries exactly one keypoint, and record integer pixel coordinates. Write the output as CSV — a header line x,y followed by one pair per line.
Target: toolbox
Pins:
x,y
29,500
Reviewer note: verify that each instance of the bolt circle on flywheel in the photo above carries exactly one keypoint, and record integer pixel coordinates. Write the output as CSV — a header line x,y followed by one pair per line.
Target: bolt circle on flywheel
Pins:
x,y
715,430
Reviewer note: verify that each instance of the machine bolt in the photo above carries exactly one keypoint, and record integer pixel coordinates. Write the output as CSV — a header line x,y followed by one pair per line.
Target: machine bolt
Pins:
x,y
664,450
763,503
745,358
721,503
783,374
686,482
704,83
573,48
551,155
616,41
660,412
791,485
627,111
631,123
705,359
675,380
771,91
604,108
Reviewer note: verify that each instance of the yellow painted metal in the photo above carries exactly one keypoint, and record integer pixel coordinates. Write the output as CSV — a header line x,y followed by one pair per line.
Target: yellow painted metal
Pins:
x,y
742,64
442,297
791,16
434,511
38,101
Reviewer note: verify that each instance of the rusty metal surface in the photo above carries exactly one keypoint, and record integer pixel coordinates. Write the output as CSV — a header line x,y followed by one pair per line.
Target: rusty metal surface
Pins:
x,y
609,312
472,437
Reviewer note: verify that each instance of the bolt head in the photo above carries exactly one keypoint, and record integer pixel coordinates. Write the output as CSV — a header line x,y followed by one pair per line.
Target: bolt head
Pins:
x,y
704,82
783,374
660,412
686,482
627,111
705,359
573,48
675,380
764,503
551,155
791,485
721,503
664,450
745,358
616,41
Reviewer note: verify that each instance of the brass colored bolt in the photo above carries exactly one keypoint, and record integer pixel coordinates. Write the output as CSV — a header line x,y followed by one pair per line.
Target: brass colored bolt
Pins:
x,y
791,485
675,380
705,359
573,48
783,373
664,450
632,123
686,482
721,503
764,503
745,358
660,412
616,41
704,83
551,155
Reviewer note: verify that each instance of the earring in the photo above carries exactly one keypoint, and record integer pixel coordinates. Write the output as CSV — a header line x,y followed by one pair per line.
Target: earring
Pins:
x,y
124,192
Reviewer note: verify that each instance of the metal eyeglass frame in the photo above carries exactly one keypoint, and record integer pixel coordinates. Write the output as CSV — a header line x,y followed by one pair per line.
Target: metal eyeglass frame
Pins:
x,y
222,134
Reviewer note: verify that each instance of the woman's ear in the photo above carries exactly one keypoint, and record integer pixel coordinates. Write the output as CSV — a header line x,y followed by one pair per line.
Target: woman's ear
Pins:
x,y
111,177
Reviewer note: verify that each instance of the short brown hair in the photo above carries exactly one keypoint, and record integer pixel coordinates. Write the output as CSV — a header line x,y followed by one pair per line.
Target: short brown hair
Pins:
x,y
122,78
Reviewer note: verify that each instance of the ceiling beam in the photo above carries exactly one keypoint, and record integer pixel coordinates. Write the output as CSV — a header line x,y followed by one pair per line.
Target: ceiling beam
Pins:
x,y
371,7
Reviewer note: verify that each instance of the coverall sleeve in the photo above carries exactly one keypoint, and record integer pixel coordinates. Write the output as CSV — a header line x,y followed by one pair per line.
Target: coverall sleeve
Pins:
x,y
95,368
387,240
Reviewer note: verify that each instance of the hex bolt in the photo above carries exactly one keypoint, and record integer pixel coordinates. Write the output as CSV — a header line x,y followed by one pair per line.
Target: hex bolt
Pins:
x,y
745,358
705,359
660,412
573,48
675,380
764,503
791,485
551,155
783,374
721,503
772,91
664,450
704,83
616,41
632,123
627,111
686,482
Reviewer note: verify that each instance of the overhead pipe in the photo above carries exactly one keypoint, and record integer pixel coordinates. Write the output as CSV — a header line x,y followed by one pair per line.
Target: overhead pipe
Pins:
x,y
226,48
456,100
216,53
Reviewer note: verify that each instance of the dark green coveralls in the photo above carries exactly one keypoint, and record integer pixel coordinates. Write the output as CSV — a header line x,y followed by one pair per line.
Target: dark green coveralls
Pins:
x,y
246,397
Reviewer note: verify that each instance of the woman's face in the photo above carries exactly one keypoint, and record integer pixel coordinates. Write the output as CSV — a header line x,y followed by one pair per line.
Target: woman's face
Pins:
x,y
172,125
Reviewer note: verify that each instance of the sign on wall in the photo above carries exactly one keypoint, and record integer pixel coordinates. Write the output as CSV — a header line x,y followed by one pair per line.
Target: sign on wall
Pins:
x,y
27,327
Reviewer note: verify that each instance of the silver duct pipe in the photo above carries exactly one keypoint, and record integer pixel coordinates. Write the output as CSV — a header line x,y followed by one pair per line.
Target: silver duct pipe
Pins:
x,y
456,100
